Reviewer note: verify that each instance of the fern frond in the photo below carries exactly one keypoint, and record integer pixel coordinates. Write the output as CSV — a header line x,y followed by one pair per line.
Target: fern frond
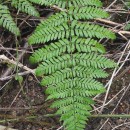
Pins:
x,y
72,59
25,6
7,21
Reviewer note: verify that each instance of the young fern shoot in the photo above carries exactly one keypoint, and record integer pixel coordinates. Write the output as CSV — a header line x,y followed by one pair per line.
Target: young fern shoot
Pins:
x,y
72,59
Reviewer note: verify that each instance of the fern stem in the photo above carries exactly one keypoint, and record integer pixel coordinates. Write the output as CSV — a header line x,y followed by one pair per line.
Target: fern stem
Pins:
x,y
71,55
51,115
17,119
111,116
100,116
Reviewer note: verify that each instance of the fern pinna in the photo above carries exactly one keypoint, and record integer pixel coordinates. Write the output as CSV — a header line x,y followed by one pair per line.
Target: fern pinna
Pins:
x,y
72,58
6,19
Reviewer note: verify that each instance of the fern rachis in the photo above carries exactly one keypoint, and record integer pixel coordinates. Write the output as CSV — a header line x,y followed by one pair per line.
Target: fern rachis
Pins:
x,y
73,59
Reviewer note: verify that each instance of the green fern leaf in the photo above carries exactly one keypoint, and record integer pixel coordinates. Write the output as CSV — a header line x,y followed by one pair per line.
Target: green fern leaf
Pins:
x,y
72,59
7,21
25,6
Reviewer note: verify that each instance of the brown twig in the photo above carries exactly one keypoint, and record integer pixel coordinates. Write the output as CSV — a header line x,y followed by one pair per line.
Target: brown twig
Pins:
x,y
8,70
9,61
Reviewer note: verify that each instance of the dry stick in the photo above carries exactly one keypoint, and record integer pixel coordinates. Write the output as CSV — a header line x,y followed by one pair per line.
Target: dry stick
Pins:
x,y
7,60
60,128
115,72
109,22
3,57
12,49
111,4
58,8
111,116
123,36
12,76
111,100
109,83
118,11
6,50
24,21
126,123
23,118
8,71
116,106
16,96
122,73
122,32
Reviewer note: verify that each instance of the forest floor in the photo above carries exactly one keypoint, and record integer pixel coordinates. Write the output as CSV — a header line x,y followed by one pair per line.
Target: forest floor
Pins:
x,y
22,103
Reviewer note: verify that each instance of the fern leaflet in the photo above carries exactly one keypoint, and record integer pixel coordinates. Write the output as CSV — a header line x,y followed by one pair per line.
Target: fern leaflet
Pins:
x,y
25,6
6,19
